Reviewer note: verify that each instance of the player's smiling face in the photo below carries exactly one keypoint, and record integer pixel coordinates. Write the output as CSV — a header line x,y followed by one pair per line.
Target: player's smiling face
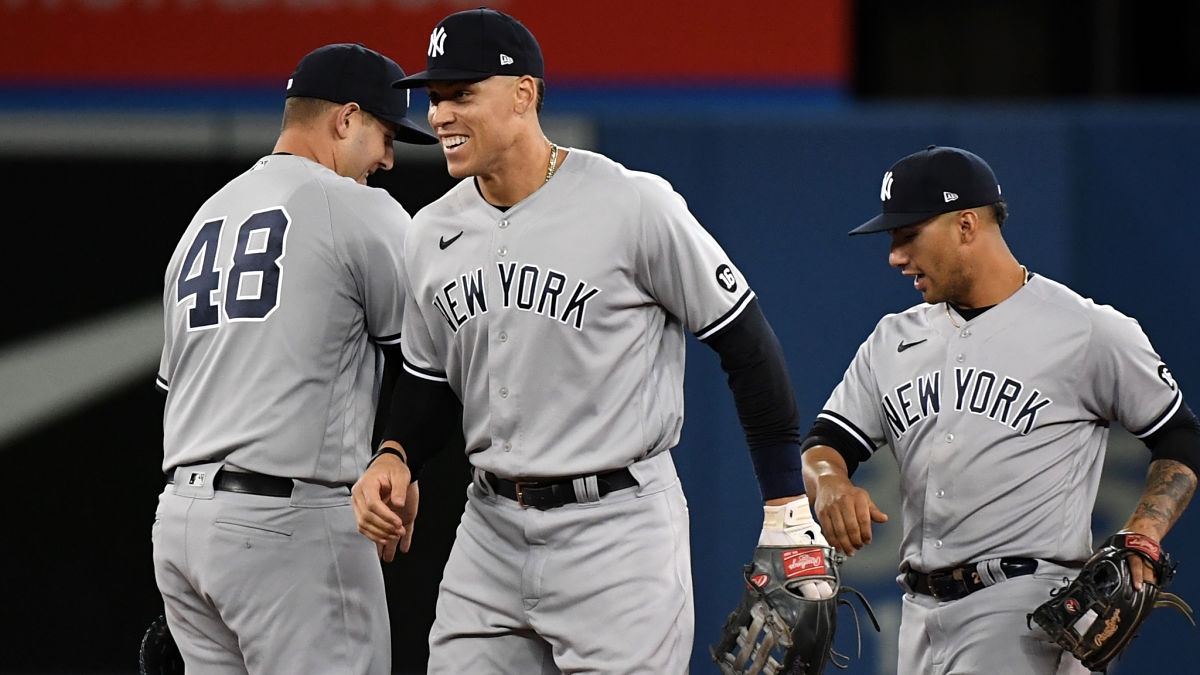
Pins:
x,y
471,119
931,253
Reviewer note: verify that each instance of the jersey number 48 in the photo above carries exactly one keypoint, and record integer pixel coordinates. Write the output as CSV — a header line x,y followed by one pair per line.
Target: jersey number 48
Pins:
x,y
251,282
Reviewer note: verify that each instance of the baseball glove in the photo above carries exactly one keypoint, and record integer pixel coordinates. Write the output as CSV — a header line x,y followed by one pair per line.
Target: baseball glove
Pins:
x,y
777,631
158,654
1095,616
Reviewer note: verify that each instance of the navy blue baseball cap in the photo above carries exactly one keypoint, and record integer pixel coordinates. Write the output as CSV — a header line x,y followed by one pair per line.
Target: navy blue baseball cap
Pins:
x,y
349,72
476,44
931,182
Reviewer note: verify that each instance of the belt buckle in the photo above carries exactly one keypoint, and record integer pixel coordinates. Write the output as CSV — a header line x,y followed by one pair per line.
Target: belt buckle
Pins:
x,y
521,496
939,577
935,579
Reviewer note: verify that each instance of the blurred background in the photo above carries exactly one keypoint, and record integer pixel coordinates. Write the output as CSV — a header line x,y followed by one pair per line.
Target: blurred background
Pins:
x,y
774,119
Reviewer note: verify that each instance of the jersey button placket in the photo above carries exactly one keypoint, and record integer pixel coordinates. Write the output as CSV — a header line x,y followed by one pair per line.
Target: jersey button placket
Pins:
x,y
501,249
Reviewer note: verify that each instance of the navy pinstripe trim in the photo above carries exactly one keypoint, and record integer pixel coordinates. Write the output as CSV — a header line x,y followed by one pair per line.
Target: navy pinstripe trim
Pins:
x,y
387,339
714,327
848,427
1171,409
425,374
161,383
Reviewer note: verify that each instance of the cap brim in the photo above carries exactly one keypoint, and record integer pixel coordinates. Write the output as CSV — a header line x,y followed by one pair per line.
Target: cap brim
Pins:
x,y
890,221
408,131
440,75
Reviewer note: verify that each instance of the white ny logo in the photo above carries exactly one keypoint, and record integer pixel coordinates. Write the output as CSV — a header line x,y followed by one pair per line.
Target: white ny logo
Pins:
x,y
885,191
437,41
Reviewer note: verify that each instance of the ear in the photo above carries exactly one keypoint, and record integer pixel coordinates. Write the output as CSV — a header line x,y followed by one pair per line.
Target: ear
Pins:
x,y
524,94
969,225
343,119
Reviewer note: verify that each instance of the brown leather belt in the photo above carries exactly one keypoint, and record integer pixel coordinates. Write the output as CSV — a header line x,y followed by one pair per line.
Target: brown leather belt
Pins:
x,y
549,494
249,483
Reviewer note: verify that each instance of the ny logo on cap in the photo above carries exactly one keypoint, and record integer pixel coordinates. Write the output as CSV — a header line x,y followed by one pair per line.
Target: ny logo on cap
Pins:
x,y
885,190
437,42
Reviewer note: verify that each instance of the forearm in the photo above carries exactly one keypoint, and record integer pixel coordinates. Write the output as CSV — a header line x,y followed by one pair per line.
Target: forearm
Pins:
x,y
823,463
1169,488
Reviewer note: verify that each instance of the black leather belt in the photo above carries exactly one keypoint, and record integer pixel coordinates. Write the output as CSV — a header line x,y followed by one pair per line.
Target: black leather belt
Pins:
x,y
550,494
953,583
249,483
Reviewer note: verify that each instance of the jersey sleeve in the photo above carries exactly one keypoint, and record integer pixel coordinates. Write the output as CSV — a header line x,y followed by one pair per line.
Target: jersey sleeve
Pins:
x,y
162,379
1128,383
685,268
370,229
421,357
853,407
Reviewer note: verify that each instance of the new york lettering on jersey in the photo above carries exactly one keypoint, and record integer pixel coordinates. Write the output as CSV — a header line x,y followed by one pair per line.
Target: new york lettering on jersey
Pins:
x,y
523,286
1001,398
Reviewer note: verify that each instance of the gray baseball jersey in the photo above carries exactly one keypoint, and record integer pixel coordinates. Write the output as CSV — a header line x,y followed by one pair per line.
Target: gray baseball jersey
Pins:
x,y
590,281
999,424
560,325
269,300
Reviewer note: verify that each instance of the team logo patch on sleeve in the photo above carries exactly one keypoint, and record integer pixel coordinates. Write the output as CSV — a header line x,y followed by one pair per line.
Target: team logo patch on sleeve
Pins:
x,y
1164,374
726,278
803,562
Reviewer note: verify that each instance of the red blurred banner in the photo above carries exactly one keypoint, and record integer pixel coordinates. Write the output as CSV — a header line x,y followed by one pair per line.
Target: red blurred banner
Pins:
x,y
172,42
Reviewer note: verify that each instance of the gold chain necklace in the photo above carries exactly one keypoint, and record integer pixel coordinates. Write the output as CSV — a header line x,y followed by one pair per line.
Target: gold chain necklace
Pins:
x,y
553,165
1024,280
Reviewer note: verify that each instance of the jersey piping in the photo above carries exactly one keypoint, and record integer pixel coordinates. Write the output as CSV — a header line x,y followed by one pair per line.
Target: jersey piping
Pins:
x,y
387,339
424,374
727,318
1163,419
848,427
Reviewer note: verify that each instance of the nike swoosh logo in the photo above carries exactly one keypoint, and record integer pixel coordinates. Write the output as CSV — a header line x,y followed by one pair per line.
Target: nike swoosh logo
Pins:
x,y
905,345
445,243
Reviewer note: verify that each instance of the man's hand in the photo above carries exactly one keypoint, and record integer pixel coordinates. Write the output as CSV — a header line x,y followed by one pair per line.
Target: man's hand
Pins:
x,y
844,510
382,506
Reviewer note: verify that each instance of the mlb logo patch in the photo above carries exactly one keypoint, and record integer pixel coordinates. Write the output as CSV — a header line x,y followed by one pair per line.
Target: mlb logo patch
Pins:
x,y
196,479
803,563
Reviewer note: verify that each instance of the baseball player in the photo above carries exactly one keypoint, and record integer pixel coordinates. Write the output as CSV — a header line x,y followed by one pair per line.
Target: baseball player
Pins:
x,y
996,396
549,292
278,297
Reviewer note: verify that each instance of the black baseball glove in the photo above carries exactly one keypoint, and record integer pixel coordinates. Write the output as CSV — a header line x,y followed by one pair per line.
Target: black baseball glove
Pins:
x,y
1095,616
775,630
158,654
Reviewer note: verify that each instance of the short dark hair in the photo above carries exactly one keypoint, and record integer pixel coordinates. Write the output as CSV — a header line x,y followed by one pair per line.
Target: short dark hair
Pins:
x,y
301,110
1000,211
541,93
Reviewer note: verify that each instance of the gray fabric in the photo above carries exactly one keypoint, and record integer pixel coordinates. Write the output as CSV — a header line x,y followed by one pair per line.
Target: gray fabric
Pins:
x,y
271,301
292,394
553,384
255,584
529,591
999,425
941,638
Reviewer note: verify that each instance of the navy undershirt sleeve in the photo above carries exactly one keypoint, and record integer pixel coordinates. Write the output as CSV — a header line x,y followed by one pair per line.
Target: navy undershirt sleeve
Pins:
x,y
422,415
753,360
1178,439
